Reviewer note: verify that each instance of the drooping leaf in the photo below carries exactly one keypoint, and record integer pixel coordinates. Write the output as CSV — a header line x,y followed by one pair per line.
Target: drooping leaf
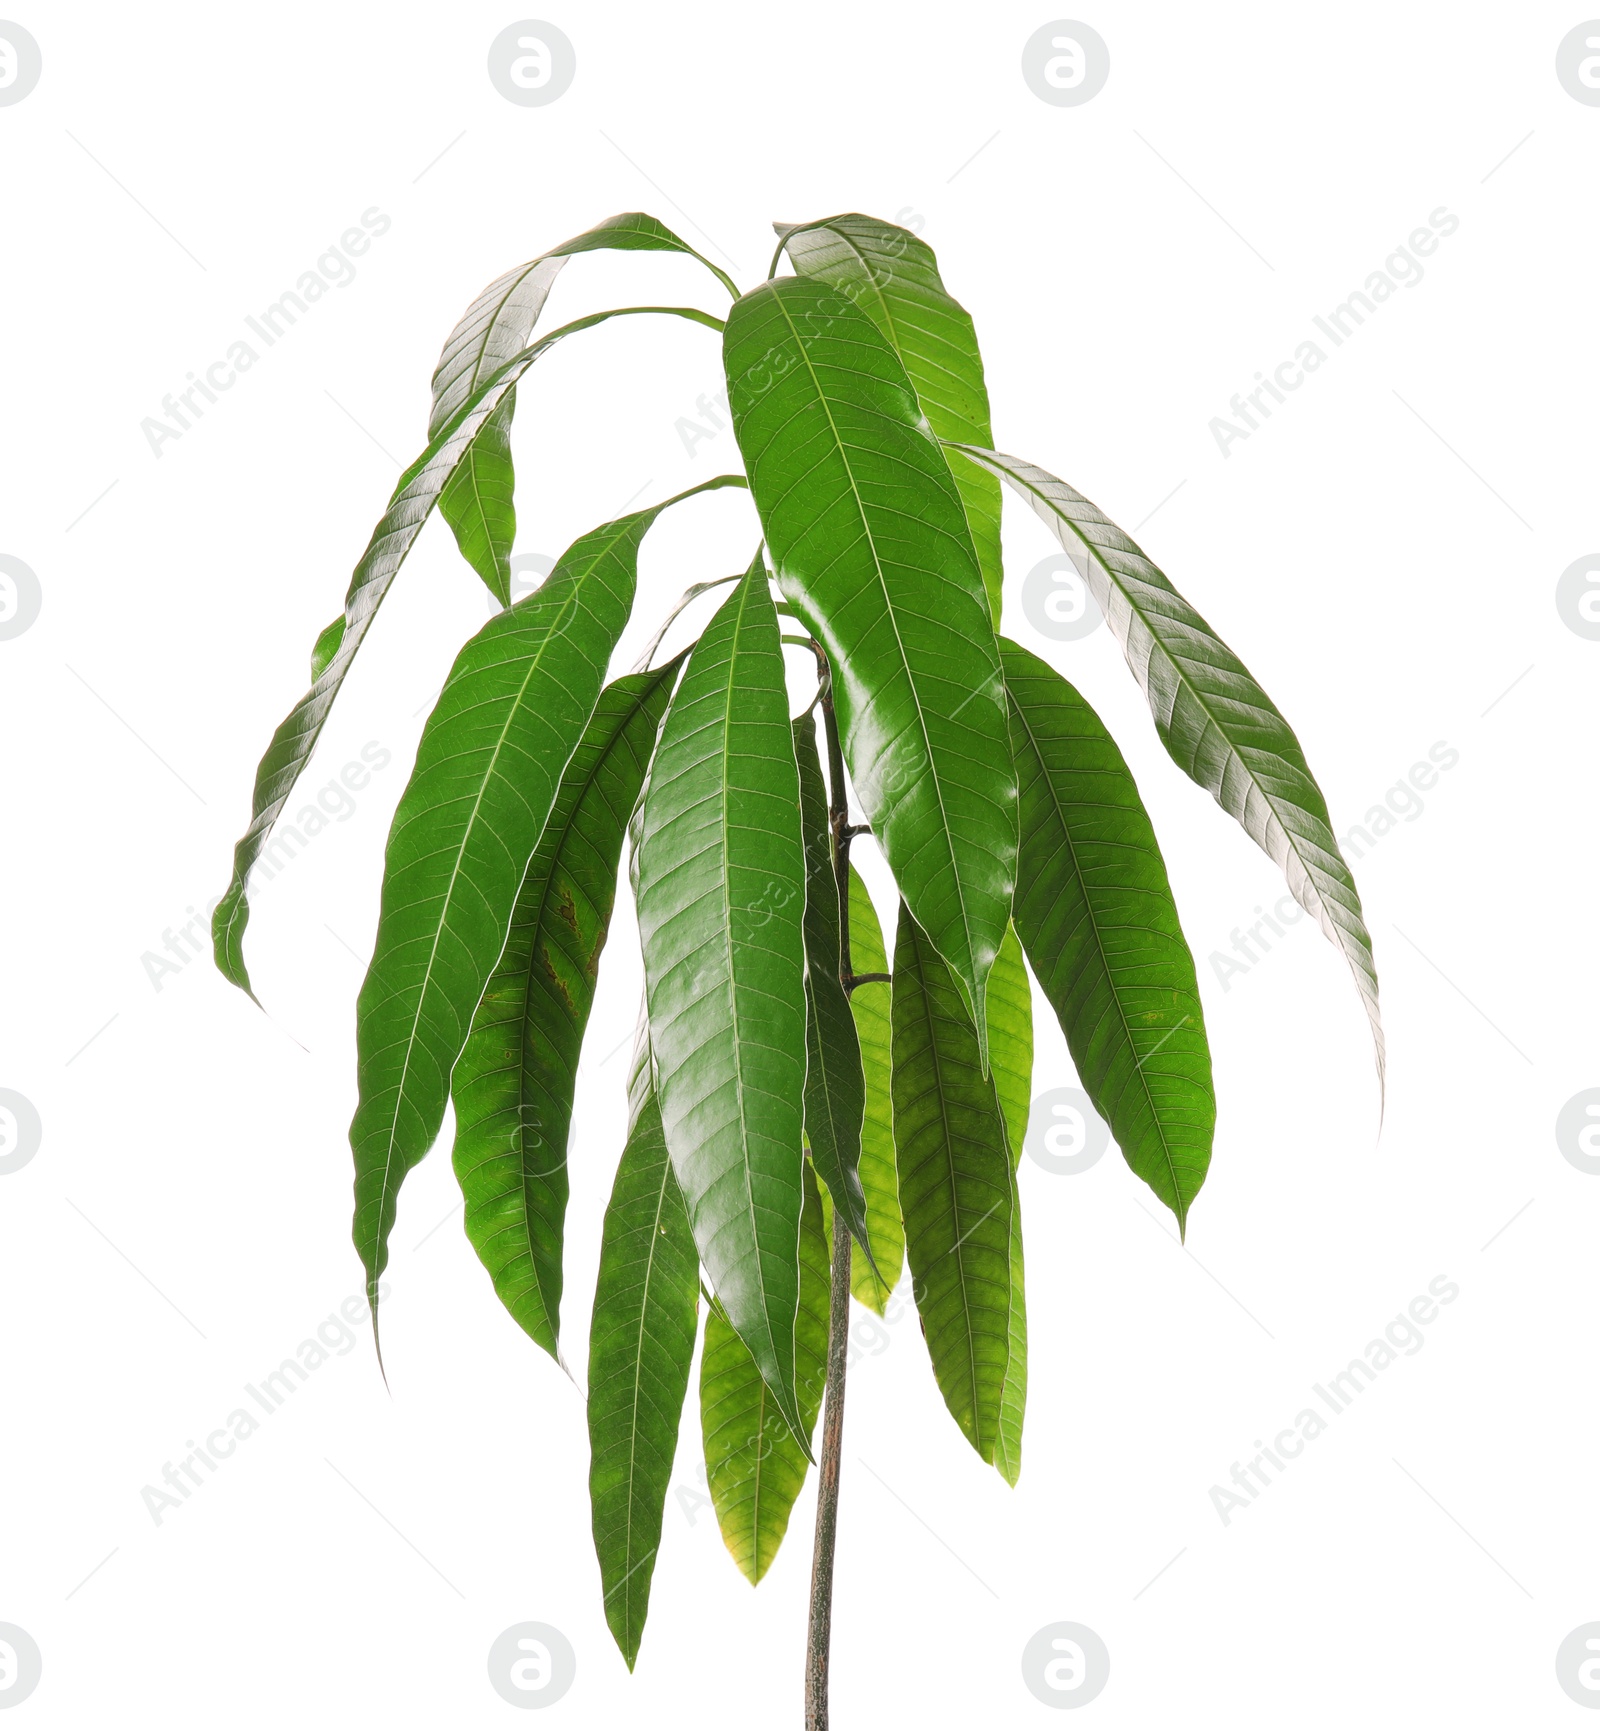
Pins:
x,y
326,647
754,1466
721,893
488,765
500,320
692,593
477,503
957,1192
870,540
869,1005
513,1083
893,277
835,1090
1096,916
1014,1390
1011,1050
1216,722
1011,1039
409,508
646,1305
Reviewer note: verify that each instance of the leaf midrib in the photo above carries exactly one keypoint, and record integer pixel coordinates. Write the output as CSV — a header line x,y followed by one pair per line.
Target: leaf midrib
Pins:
x,y
525,984
894,621
726,853
567,608
638,1362
1313,870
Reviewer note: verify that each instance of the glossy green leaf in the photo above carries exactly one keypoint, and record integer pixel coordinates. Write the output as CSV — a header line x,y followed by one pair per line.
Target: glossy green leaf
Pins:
x,y
513,1084
870,540
1011,1039
491,757
409,508
869,1005
754,1466
477,502
894,278
835,1090
641,1343
721,893
957,1194
1096,916
1216,722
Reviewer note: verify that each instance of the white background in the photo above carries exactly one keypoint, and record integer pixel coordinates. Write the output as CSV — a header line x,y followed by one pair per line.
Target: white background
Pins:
x,y
185,1224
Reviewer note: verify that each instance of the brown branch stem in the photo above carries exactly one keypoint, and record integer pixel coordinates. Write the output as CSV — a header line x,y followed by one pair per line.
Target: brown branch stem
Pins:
x,y
820,1626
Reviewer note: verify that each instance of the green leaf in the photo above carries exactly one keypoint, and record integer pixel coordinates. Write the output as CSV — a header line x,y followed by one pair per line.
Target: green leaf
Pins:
x,y
894,278
1011,1039
957,1193
1014,1390
754,1466
326,647
1096,916
646,1304
871,545
409,508
1216,722
477,504
869,1004
721,892
835,1090
491,756
513,1083
1011,1049
500,320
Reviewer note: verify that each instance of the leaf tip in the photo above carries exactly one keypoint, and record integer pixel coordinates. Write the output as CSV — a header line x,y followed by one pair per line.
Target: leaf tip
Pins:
x,y
377,1343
